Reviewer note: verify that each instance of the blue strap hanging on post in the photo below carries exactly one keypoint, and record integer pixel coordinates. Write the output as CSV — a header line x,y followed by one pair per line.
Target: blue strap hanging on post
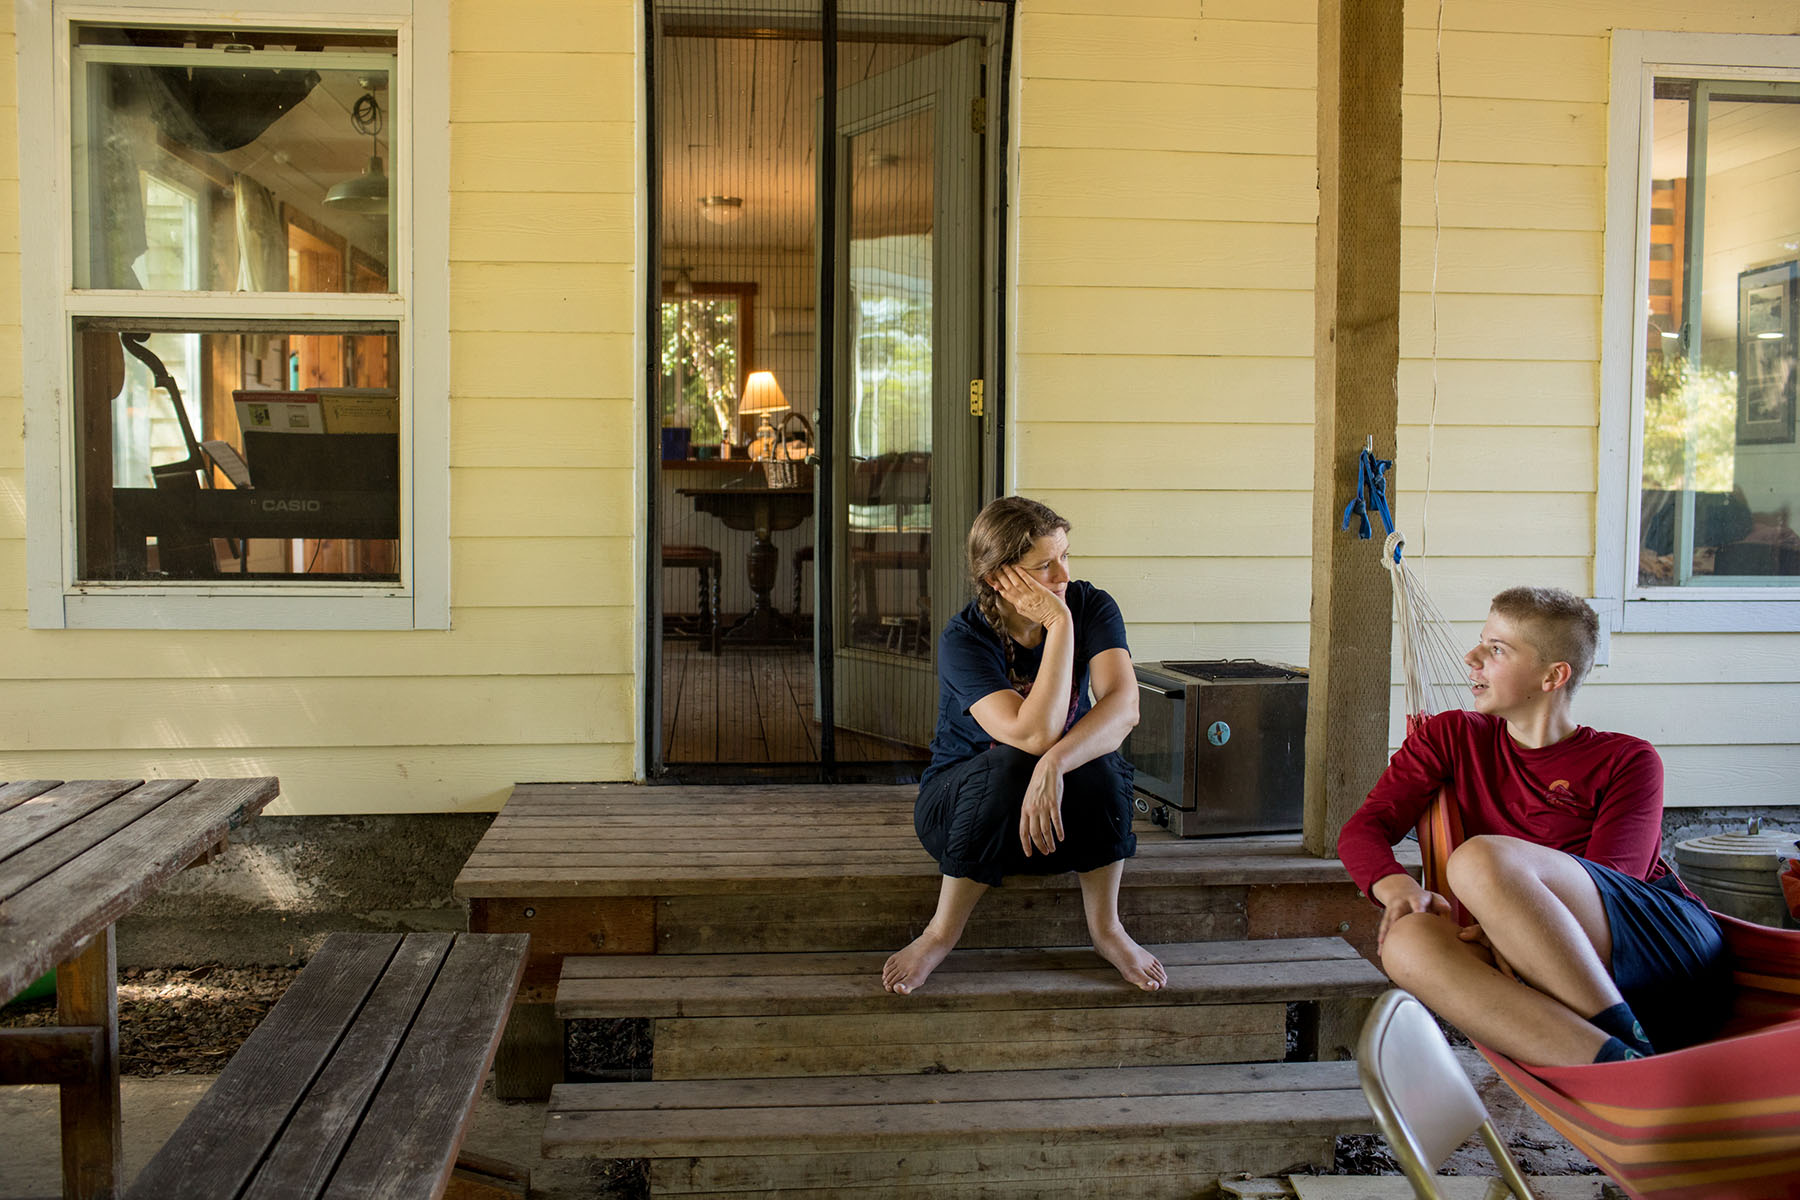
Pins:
x,y
1371,492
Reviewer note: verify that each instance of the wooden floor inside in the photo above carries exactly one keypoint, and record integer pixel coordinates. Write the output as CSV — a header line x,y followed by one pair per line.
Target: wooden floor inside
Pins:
x,y
752,704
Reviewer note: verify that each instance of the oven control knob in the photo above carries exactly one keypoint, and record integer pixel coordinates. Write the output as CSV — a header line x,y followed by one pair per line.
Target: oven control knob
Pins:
x,y
1218,733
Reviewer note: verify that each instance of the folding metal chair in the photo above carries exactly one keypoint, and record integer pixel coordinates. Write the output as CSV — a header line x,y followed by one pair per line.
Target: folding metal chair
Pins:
x,y
1424,1104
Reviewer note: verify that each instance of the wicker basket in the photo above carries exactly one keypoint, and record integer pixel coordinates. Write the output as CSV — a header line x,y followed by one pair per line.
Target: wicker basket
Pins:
x,y
781,474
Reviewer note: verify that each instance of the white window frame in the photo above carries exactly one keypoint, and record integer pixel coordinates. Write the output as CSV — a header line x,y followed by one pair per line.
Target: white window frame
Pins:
x,y
419,307
1639,56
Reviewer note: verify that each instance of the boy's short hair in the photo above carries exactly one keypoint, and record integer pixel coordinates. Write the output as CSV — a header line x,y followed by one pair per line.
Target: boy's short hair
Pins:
x,y
1560,625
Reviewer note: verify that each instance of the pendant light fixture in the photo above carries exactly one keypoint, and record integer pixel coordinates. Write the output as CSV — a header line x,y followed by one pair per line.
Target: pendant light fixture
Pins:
x,y
368,192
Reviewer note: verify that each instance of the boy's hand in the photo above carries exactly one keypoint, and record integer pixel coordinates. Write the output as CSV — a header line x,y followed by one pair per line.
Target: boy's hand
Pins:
x,y
1029,598
1404,900
1474,934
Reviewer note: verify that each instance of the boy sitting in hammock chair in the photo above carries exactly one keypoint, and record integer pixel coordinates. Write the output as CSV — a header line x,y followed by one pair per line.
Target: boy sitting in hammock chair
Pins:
x,y
1586,948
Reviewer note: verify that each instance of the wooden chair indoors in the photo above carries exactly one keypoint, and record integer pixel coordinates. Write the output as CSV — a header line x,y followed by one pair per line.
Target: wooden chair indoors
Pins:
x,y
706,562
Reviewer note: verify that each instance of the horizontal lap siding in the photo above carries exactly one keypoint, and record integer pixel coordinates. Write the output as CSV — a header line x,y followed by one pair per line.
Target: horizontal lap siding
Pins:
x,y
1167,205
536,678
1166,208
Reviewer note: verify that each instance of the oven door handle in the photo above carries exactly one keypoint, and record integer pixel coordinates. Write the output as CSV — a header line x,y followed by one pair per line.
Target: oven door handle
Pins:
x,y
1167,688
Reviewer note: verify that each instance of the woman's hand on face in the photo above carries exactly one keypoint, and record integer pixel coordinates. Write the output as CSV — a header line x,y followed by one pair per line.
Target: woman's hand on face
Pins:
x,y
1040,818
1029,598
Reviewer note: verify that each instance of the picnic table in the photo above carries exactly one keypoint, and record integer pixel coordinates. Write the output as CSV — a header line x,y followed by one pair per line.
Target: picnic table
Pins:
x,y
74,858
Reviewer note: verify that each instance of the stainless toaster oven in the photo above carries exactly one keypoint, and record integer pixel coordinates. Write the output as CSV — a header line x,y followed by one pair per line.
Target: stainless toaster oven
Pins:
x,y
1220,746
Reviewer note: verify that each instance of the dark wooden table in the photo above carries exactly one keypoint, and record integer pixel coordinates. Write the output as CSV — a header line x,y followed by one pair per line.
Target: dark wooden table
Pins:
x,y
759,511
74,858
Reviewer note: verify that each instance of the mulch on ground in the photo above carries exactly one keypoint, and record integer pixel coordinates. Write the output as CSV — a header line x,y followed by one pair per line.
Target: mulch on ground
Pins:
x,y
178,1020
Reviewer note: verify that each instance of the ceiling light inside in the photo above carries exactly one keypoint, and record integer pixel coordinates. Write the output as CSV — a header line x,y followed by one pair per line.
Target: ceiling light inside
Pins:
x,y
721,210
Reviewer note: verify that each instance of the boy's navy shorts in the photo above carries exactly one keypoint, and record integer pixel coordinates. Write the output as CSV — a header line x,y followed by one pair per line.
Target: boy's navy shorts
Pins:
x,y
1668,957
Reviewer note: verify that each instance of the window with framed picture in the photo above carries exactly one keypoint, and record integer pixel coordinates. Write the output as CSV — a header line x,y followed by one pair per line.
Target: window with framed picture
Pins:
x,y
1700,519
230,340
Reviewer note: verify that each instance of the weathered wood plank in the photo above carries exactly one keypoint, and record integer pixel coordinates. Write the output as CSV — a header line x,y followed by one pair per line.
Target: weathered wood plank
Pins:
x,y
242,1115
408,1141
46,919
703,966
1077,1170
1019,984
968,1040
19,791
302,1162
868,918
969,1087
805,1116
574,925
55,835
812,1130
672,879
58,1054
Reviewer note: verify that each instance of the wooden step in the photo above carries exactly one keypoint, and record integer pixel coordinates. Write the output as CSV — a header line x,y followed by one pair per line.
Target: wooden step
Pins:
x,y
1145,1131
730,1016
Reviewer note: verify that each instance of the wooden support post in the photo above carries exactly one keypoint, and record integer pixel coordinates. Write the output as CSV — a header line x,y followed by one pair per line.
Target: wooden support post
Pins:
x,y
1357,359
93,1147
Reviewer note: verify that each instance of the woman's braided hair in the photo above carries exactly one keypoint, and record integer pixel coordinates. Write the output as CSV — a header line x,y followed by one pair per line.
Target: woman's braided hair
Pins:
x,y
1003,534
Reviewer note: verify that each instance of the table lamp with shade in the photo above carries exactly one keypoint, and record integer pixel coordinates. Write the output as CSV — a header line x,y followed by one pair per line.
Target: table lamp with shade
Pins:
x,y
762,395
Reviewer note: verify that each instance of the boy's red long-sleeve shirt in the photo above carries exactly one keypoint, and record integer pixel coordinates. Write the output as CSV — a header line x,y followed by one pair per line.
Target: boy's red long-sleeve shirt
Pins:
x,y
1596,795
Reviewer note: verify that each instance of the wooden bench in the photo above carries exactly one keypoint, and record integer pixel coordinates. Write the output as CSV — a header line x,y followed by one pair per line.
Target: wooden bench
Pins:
x,y
740,1015
360,1082
1135,1131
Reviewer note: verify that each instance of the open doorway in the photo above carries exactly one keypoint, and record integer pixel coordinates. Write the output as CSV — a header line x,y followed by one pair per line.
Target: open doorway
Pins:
x,y
826,309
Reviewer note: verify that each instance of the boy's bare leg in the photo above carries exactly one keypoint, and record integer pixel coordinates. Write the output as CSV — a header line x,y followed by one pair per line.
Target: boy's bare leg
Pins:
x,y
1540,910
1456,980
1100,901
908,968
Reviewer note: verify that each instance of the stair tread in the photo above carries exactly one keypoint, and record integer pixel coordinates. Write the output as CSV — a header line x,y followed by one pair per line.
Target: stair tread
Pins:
x,y
716,985
776,1116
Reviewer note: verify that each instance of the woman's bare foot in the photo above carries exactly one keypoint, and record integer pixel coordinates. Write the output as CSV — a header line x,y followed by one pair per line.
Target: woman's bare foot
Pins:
x,y
906,970
1139,967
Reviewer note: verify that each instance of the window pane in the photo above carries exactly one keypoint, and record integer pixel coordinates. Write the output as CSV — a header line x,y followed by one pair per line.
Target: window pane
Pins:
x,y
207,162
702,357
1721,470
237,452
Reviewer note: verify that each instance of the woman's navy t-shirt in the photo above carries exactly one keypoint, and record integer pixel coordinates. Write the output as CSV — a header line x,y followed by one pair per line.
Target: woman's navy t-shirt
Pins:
x,y
972,664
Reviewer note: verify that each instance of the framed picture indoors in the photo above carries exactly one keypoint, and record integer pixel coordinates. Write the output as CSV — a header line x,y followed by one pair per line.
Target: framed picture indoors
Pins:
x,y
1768,358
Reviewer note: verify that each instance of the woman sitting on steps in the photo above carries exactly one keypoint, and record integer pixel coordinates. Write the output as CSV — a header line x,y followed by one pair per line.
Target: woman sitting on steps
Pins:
x,y
1025,774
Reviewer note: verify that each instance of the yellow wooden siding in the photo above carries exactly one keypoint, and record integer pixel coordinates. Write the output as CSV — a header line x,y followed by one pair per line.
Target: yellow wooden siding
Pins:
x,y
1165,391
536,678
1166,209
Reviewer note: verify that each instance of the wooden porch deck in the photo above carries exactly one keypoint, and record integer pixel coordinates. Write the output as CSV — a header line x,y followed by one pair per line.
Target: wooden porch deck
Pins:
x,y
746,926
627,869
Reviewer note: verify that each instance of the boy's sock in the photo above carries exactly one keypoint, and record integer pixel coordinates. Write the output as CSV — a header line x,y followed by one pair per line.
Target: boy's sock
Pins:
x,y
1622,1024
1613,1050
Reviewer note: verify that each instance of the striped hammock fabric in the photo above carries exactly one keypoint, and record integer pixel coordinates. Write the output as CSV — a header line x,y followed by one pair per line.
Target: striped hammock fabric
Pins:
x,y
1717,1121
